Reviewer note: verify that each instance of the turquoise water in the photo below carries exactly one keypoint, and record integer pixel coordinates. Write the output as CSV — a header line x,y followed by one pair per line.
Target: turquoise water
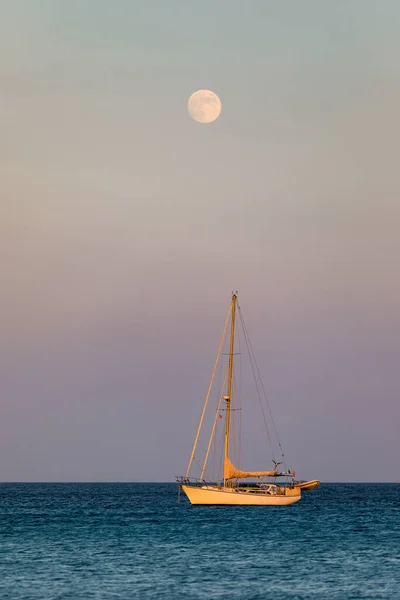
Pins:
x,y
124,541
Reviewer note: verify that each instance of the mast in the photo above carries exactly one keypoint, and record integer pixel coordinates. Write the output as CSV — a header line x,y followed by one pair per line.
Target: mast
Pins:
x,y
228,397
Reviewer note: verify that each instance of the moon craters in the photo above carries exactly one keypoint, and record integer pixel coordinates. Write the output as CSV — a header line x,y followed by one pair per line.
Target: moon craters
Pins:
x,y
204,106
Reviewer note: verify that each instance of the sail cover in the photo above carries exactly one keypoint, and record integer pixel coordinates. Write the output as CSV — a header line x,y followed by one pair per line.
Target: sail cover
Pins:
x,y
230,472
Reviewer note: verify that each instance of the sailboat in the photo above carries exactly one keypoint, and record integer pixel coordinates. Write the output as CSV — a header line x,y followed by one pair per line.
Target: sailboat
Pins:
x,y
230,489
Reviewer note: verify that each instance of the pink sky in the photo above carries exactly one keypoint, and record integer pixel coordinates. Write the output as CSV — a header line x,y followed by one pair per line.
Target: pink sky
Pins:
x,y
125,226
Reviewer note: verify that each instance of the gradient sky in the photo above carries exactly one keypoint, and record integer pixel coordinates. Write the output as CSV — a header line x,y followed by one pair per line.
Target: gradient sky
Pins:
x,y
125,225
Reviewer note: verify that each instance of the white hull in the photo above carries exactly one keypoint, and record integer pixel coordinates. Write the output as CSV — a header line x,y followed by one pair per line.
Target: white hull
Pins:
x,y
230,496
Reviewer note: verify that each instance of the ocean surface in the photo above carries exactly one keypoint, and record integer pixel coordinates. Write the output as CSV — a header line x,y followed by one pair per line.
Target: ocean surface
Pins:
x,y
125,541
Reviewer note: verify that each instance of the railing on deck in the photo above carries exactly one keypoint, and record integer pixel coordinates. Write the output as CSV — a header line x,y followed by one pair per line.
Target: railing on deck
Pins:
x,y
190,481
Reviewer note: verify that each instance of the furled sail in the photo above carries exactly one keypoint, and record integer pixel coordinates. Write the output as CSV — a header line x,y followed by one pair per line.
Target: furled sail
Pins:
x,y
230,472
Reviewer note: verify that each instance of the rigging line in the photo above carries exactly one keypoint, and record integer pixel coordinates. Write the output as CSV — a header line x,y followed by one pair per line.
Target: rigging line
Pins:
x,y
212,437
236,430
240,440
221,455
214,459
261,382
209,390
197,462
255,379
263,388
233,435
219,442
266,400
219,375
239,386
214,425
214,444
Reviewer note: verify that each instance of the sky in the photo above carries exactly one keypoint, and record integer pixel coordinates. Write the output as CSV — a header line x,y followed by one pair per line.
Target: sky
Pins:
x,y
125,225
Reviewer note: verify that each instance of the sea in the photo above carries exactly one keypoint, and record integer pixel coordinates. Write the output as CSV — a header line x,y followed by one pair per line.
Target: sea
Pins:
x,y
122,541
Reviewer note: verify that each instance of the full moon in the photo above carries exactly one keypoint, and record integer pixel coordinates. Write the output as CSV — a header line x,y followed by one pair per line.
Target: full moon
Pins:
x,y
204,106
